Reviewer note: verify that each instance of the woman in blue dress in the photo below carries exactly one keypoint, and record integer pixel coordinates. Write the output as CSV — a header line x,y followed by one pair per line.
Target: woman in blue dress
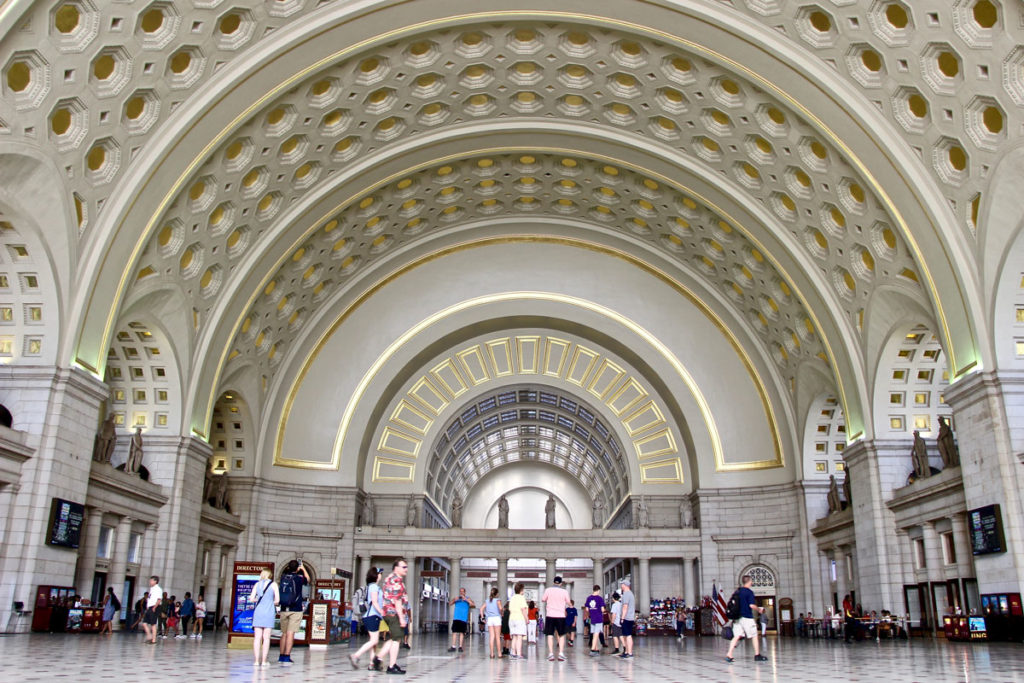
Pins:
x,y
267,596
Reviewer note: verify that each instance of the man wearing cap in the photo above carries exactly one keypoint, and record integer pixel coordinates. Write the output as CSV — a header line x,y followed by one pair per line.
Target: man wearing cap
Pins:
x,y
555,600
628,619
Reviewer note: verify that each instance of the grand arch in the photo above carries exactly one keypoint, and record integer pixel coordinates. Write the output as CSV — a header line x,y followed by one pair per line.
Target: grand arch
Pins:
x,y
828,118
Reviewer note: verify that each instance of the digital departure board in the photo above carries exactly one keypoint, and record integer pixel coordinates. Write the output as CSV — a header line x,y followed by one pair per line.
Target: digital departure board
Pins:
x,y
986,527
65,523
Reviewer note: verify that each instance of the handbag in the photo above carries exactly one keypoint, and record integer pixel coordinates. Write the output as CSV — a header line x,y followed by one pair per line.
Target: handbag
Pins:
x,y
727,632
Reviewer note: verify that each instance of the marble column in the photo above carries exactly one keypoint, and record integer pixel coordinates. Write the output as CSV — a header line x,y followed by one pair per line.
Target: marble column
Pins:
x,y
412,586
213,579
933,570
550,571
197,578
688,594
87,552
962,547
454,577
842,584
597,574
503,579
228,554
643,598
119,563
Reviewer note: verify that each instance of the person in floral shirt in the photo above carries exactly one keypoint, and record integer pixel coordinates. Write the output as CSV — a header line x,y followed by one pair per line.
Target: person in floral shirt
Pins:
x,y
395,612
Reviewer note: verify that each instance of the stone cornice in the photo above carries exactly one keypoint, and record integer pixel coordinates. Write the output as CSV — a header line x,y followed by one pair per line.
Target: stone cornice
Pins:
x,y
940,485
221,521
115,491
836,521
14,450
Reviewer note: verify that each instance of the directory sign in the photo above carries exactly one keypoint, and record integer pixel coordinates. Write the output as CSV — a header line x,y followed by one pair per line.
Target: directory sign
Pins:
x,y
245,576
65,523
986,527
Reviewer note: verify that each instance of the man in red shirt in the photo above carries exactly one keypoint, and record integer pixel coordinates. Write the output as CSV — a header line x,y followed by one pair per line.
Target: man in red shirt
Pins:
x,y
395,614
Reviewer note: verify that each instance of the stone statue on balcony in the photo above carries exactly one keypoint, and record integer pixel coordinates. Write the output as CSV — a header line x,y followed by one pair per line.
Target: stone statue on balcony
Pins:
x,y
221,499
947,444
209,487
597,513
643,515
106,439
503,513
549,513
919,456
846,488
457,512
134,453
368,512
834,504
685,514
411,513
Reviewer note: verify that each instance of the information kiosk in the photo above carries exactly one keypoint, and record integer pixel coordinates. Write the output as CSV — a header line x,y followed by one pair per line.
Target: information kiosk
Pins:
x,y
244,577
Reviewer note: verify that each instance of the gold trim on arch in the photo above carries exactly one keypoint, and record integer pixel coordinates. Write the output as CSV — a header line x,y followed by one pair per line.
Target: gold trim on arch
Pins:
x,y
510,15
720,464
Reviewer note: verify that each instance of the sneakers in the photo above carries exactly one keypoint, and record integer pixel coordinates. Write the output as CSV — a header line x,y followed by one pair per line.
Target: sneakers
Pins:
x,y
460,649
595,653
561,657
760,658
406,646
730,660
199,636
284,659
625,655
354,661
451,649
192,636
180,637
376,664
551,658
395,670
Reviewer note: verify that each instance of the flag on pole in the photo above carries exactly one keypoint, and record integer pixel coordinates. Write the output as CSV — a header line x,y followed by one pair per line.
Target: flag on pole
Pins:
x,y
718,605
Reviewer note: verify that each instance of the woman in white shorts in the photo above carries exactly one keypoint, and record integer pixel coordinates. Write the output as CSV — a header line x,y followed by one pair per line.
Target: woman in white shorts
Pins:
x,y
492,612
518,615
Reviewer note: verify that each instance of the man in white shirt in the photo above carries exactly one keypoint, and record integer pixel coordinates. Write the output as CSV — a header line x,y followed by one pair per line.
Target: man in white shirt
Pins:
x,y
149,621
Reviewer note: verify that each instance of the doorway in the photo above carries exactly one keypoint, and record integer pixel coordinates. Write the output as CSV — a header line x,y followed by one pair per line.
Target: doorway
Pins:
x,y
770,605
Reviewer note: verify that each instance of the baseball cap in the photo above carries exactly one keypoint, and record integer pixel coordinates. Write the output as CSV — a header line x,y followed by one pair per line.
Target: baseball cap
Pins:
x,y
625,582
558,579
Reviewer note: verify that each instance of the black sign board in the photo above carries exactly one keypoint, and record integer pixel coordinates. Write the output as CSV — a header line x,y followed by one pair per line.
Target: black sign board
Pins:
x,y
65,523
986,527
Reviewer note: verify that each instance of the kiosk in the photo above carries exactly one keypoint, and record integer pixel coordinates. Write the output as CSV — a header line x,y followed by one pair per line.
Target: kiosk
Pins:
x,y
51,608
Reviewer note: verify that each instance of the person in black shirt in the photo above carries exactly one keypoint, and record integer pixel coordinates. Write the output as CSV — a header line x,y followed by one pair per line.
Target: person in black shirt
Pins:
x,y
294,578
745,626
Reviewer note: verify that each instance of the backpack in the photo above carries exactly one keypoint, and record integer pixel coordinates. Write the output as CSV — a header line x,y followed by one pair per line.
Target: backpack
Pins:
x,y
290,594
360,602
732,609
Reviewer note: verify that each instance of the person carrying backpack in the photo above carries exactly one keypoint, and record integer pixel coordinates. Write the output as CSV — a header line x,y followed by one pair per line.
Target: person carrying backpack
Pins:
x,y
294,578
740,609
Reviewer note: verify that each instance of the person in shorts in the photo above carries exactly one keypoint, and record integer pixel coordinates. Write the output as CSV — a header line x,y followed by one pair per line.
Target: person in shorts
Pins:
x,y
518,615
555,600
460,619
616,625
294,578
628,619
372,618
594,604
745,626
395,615
151,618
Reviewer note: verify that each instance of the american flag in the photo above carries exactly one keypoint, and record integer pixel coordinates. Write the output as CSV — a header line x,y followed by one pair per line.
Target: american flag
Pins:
x,y
718,605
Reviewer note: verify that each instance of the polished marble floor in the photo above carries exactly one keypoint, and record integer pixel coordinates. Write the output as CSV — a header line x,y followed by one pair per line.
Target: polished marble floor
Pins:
x,y
123,657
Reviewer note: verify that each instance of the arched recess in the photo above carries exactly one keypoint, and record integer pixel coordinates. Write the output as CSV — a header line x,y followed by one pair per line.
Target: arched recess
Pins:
x,y
764,579
912,374
30,310
1007,313
232,436
532,425
144,380
891,165
365,364
824,439
1000,226
527,487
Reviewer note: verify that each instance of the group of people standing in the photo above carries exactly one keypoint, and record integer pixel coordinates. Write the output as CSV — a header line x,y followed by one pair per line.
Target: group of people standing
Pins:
x,y
517,621
161,614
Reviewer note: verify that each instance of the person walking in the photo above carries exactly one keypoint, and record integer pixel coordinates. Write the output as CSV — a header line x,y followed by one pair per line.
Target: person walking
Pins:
x,y
555,600
745,626
849,619
594,605
570,623
460,619
197,629
294,578
492,613
187,613
111,606
394,613
519,613
153,602
267,596
531,624
628,619
371,619
616,617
